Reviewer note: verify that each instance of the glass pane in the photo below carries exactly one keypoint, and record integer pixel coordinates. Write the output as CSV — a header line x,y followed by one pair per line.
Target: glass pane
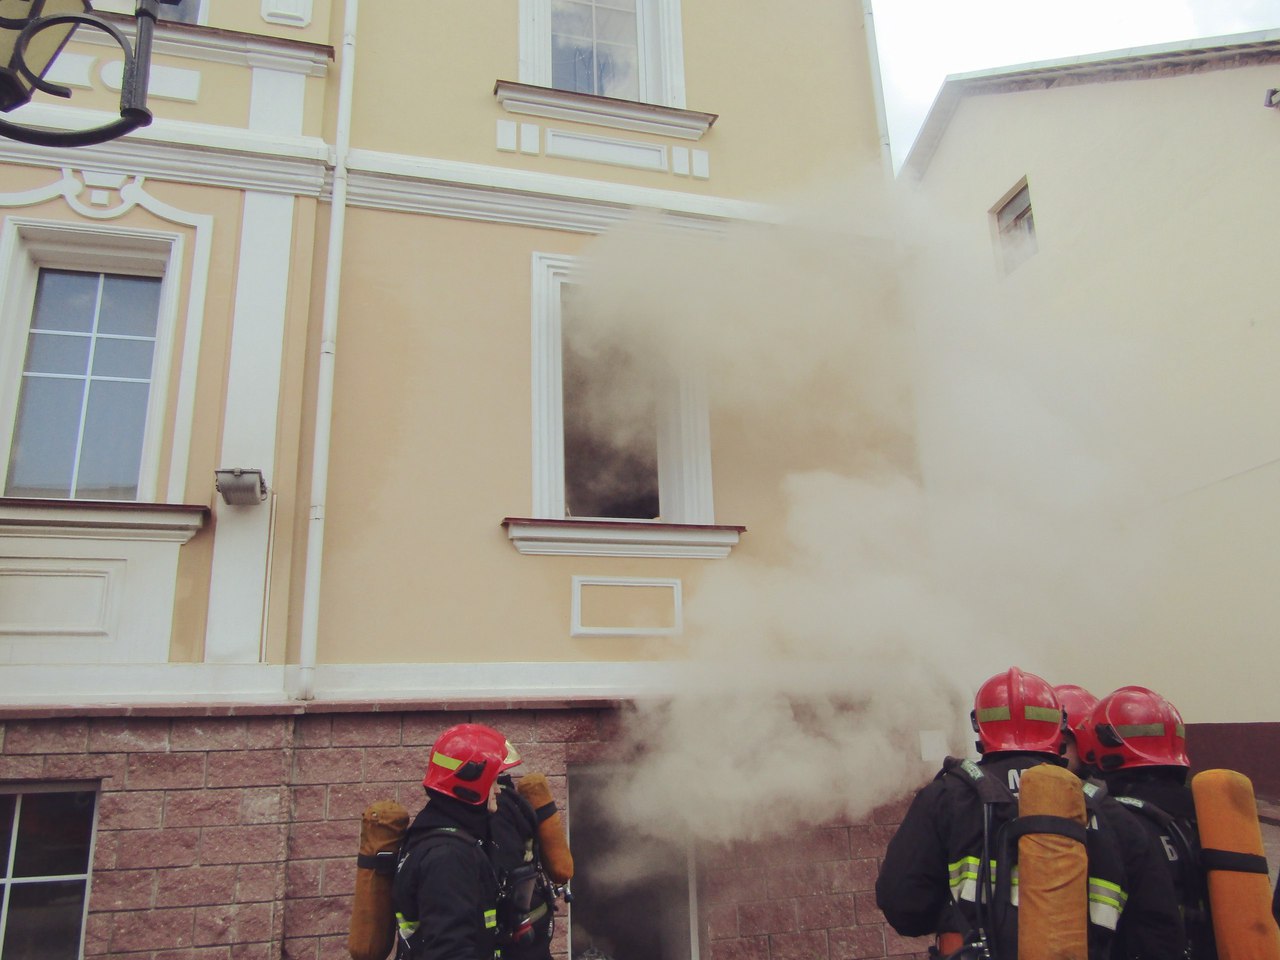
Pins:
x,y
44,921
130,305
57,353
187,11
53,835
44,440
123,358
65,301
112,448
7,801
617,4
571,66
571,19
618,71
614,26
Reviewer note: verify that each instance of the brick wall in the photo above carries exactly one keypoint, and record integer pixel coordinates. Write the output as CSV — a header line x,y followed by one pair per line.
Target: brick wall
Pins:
x,y
232,837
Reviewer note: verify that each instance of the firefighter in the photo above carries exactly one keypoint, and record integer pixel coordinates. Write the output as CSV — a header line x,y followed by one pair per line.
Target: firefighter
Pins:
x,y
942,872
1136,740
446,889
528,922
1077,702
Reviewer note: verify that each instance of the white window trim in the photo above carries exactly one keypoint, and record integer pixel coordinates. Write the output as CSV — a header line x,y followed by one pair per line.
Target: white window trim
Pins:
x,y
27,246
684,454
661,49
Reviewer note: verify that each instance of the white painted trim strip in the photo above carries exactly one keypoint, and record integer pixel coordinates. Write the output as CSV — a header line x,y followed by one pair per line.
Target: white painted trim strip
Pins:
x,y
578,629
621,153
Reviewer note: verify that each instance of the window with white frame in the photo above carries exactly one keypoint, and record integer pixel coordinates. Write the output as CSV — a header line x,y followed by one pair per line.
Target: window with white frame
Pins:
x,y
634,896
625,49
84,332
184,11
46,848
654,463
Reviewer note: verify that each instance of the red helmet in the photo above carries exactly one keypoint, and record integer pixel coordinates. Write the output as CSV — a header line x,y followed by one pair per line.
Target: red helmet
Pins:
x,y
1017,711
1134,727
1077,701
466,760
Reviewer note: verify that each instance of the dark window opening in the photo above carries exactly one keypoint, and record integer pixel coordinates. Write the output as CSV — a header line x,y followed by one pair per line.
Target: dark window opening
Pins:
x,y
610,430
1016,227
630,892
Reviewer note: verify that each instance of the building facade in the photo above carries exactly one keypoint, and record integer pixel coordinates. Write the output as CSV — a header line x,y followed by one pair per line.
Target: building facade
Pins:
x,y
1114,207
332,276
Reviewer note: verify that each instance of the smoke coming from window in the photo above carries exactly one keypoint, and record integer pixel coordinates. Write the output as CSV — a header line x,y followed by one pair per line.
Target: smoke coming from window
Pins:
x,y
931,494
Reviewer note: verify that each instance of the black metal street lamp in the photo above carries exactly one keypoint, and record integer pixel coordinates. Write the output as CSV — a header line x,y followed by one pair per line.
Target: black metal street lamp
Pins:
x,y
33,33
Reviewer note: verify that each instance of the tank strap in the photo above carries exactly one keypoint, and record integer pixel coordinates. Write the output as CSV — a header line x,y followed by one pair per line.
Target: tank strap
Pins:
x,y
1231,860
1045,823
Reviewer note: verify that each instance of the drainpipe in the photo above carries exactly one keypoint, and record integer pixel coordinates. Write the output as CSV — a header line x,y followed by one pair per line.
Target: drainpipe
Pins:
x,y
328,347
877,89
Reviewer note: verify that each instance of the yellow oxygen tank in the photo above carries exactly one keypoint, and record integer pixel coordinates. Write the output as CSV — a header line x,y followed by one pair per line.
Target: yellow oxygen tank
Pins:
x,y
1053,869
557,861
373,922
1233,858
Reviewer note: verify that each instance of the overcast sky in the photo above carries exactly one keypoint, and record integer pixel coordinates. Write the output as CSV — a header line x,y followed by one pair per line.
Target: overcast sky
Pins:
x,y
921,41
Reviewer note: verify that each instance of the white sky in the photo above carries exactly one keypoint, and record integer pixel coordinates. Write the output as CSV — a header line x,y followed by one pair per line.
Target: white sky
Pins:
x,y
921,41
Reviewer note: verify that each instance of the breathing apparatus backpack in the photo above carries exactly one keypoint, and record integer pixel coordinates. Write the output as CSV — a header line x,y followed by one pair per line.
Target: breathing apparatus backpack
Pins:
x,y
1047,827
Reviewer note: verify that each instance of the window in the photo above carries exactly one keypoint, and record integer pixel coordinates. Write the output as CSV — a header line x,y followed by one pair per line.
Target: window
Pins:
x,y
633,896
653,463
184,11
85,321
46,843
1016,228
625,49
82,406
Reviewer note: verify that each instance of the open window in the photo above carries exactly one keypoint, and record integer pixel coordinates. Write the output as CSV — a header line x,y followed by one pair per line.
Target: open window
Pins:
x,y
652,461
1015,227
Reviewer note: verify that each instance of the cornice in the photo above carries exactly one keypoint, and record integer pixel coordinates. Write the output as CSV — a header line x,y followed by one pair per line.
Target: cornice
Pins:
x,y
213,45
525,98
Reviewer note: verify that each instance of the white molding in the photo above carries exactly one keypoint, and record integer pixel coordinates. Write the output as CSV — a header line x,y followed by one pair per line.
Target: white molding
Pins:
x,y
291,13
277,102
578,629
548,272
166,83
89,584
523,98
621,153
622,539
237,585
500,195
224,46
69,519
68,685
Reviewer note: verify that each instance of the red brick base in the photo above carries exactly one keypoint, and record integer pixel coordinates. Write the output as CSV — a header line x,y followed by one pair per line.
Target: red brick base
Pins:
x,y
231,834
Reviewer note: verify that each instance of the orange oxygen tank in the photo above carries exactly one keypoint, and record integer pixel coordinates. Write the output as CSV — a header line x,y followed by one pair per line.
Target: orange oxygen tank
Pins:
x,y
1233,859
557,861
1053,869
373,917
949,943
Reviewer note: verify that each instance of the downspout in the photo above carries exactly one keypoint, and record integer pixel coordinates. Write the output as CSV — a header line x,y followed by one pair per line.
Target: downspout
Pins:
x,y
328,347
877,89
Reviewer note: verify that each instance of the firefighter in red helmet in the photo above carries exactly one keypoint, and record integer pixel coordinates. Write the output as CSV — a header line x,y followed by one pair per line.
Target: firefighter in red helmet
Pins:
x,y
446,890
938,875
1077,702
1136,740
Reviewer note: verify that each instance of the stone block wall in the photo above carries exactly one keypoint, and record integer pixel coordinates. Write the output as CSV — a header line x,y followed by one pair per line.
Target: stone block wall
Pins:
x,y
230,833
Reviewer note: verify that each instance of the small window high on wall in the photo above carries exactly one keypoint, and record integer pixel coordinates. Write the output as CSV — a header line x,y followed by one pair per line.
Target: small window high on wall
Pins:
x,y
631,893
1015,228
46,843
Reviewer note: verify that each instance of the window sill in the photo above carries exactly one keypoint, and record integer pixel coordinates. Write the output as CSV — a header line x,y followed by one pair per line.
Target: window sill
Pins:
x,y
535,101
100,519
622,538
